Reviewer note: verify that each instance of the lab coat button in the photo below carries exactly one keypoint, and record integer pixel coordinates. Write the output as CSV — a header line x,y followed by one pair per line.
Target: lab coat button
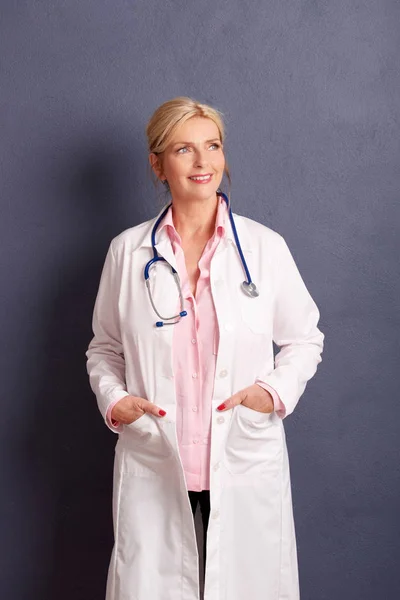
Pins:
x,y
220,419
228,326
195,441
194,375
194,409
223,373
193,341
215,514
216,466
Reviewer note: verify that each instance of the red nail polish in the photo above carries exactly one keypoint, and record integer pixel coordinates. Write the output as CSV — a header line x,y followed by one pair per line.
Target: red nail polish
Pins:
x,y
162,412
221,407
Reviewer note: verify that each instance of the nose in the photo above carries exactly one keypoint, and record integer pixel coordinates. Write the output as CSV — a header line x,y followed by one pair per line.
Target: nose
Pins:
x,y
200,158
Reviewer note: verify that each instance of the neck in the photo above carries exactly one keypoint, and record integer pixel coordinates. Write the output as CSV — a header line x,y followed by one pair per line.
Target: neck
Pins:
x,y
195,220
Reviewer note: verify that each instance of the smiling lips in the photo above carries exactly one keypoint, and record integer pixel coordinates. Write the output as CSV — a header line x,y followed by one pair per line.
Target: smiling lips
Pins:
x,y
201,178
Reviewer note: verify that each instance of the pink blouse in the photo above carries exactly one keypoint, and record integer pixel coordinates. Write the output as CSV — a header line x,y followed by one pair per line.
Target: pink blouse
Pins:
x,y
195,347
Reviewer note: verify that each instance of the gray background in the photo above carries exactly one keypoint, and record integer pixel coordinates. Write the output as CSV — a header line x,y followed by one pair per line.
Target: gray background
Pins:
x,y
310,93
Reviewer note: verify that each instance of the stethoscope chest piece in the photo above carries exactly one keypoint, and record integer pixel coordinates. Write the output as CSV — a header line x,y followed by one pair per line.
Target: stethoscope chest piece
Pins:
x,y
250,289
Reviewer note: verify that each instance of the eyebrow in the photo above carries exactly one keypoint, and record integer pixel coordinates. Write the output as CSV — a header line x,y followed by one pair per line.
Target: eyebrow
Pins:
x,y
206,142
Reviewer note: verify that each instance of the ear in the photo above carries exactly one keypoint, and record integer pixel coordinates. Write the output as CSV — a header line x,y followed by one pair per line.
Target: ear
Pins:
x,y
156,165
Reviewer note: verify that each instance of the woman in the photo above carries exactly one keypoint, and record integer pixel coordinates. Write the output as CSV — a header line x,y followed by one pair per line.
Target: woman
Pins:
x,y
183,370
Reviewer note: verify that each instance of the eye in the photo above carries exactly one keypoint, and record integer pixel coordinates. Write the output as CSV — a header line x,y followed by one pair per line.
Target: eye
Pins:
x,y
216,145
183,148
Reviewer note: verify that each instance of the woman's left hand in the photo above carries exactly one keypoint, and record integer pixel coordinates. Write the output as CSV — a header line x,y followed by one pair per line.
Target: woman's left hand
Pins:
x,y
254,397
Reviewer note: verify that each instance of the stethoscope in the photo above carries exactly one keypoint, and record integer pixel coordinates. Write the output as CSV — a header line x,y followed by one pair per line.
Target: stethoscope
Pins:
x,y
249,288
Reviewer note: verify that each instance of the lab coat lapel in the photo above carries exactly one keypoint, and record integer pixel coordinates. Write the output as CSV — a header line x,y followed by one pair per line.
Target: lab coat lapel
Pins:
x,y
242,232
164,249
163,243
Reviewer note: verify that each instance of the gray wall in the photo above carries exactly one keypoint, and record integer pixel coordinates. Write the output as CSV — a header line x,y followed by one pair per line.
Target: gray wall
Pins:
x,y
310,92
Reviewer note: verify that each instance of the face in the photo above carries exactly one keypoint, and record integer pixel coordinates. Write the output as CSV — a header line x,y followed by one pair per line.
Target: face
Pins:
x,y
194,150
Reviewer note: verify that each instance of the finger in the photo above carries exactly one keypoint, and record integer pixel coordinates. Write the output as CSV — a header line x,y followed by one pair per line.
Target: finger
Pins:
x,y
232,401
152,408
126,415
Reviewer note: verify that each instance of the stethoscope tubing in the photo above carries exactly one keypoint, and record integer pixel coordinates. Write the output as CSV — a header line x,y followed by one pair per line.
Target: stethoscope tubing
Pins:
x,y
156,257
248,286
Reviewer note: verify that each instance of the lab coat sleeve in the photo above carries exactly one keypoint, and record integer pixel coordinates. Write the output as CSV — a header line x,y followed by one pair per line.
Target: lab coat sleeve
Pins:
x,y
295,331
105,356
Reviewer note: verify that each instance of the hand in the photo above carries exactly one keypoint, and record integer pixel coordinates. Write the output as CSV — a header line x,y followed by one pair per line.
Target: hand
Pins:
x,y
130,408
254,397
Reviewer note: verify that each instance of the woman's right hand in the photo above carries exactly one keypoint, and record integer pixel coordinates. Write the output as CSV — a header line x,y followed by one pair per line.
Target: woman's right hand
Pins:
x,y
130,408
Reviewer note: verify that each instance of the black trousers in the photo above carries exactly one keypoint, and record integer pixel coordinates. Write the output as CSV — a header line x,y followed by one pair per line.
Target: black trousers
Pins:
x,y
202,498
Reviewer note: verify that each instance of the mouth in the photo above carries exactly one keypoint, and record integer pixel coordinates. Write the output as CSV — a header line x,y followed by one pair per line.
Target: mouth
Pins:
x,y
201,178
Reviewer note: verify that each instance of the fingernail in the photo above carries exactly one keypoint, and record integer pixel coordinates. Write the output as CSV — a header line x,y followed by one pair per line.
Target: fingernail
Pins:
x,y
221,407
162,412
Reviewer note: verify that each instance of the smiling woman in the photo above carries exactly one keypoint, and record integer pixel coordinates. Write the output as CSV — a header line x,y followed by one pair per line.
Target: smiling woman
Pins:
x,y
199,406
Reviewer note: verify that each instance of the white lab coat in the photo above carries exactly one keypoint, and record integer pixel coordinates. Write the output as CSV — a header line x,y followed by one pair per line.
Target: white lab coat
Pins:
x,y
251,544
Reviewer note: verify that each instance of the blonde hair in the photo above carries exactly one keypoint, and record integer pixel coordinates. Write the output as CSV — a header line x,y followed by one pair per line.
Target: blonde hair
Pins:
x,y
163,122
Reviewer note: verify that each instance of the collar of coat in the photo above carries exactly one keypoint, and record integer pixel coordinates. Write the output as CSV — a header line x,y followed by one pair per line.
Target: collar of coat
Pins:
x,y
164,247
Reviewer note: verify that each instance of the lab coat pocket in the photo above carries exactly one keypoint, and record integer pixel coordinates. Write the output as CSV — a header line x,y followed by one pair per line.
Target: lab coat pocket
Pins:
x,y
253,442
255,313
147,448
137,425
